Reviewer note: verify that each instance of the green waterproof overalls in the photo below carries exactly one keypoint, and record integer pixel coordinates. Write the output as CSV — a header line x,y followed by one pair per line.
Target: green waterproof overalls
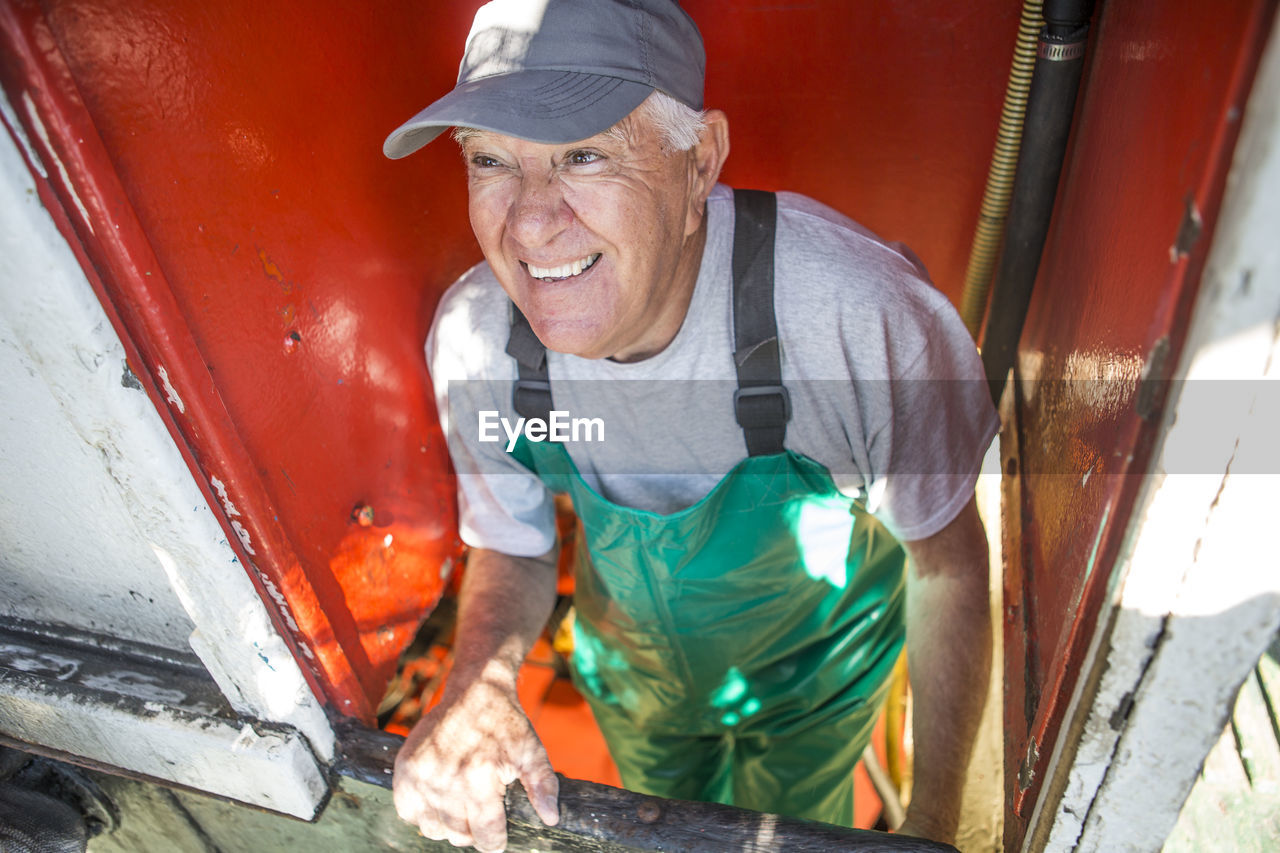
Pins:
x,y
738,650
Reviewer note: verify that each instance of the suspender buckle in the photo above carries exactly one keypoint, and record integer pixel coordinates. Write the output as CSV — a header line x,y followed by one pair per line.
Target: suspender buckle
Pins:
x,y
762,406
532,398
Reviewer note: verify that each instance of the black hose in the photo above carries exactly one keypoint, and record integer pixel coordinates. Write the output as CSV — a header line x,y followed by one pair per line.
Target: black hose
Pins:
x,y
1067,21
1051,103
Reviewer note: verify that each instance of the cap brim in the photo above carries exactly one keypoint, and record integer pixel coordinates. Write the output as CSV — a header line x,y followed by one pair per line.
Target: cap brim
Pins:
x,y
540,106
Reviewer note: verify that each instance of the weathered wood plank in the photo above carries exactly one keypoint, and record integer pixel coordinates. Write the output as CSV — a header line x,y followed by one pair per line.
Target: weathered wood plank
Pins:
x,y
1268,673
1222,766
601,819
1255,736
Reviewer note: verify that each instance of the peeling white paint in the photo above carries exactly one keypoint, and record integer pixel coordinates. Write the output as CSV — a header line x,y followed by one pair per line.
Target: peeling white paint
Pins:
x,y
244,537
103,526
41,132
134,684
85,462
25,659
281,603
272,770
221,488
247,739
230,509
250,741
20,134
245,654
170,395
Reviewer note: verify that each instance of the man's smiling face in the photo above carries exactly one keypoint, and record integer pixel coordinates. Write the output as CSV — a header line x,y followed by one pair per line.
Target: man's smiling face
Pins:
x,y
598,241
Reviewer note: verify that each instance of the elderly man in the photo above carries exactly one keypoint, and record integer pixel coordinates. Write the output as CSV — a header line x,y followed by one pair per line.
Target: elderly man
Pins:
x,y
771,399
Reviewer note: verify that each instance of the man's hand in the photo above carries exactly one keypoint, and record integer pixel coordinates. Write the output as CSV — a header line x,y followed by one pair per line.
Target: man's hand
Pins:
x,y
454,769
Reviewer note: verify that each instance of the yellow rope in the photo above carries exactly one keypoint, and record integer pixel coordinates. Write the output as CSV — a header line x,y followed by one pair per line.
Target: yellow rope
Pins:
x,y
1004,163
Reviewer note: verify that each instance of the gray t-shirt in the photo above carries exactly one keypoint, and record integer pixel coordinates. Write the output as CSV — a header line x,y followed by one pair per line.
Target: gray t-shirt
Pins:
x,y
886,389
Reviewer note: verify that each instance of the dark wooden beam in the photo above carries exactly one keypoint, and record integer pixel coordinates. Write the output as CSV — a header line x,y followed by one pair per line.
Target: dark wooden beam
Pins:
x,y
602,819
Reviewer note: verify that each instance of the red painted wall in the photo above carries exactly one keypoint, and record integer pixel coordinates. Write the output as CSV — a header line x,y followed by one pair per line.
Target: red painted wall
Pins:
x,y
247,236
884,110
1156,124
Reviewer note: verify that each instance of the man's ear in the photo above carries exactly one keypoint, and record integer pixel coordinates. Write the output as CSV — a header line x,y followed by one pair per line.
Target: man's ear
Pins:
x,y
706,158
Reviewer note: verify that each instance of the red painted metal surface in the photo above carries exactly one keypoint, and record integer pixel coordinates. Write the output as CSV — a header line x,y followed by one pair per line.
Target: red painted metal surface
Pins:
x,y
248,269
1155,130
886,111
248,239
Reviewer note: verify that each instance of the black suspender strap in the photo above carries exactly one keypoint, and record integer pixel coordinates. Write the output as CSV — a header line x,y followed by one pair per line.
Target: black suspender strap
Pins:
x,y
531,396
761,403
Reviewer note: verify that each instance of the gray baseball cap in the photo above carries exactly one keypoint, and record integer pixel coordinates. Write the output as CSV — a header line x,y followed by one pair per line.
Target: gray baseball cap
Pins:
x,y
562,70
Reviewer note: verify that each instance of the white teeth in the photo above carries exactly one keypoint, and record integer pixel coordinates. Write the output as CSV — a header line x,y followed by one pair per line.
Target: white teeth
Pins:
x,y
564,270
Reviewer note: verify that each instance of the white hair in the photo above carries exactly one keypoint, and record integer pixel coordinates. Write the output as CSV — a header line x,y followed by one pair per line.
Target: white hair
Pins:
x,y
678,125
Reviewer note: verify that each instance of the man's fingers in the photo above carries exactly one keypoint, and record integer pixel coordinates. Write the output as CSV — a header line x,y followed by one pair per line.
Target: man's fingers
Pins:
x,y
433,829
458,839
488,821
428,821
543,787
408,799
407,802
456,831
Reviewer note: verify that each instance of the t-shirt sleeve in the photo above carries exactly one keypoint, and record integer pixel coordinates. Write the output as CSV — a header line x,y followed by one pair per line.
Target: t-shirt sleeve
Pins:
x,y
908,418
942,423
502,506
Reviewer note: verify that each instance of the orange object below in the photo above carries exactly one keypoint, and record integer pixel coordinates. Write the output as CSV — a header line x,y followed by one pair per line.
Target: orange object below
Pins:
x,y
866,802
563,721
567,529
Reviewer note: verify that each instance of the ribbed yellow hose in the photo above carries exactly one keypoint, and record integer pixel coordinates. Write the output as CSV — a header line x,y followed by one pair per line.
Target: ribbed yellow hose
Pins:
x,y
1004,162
